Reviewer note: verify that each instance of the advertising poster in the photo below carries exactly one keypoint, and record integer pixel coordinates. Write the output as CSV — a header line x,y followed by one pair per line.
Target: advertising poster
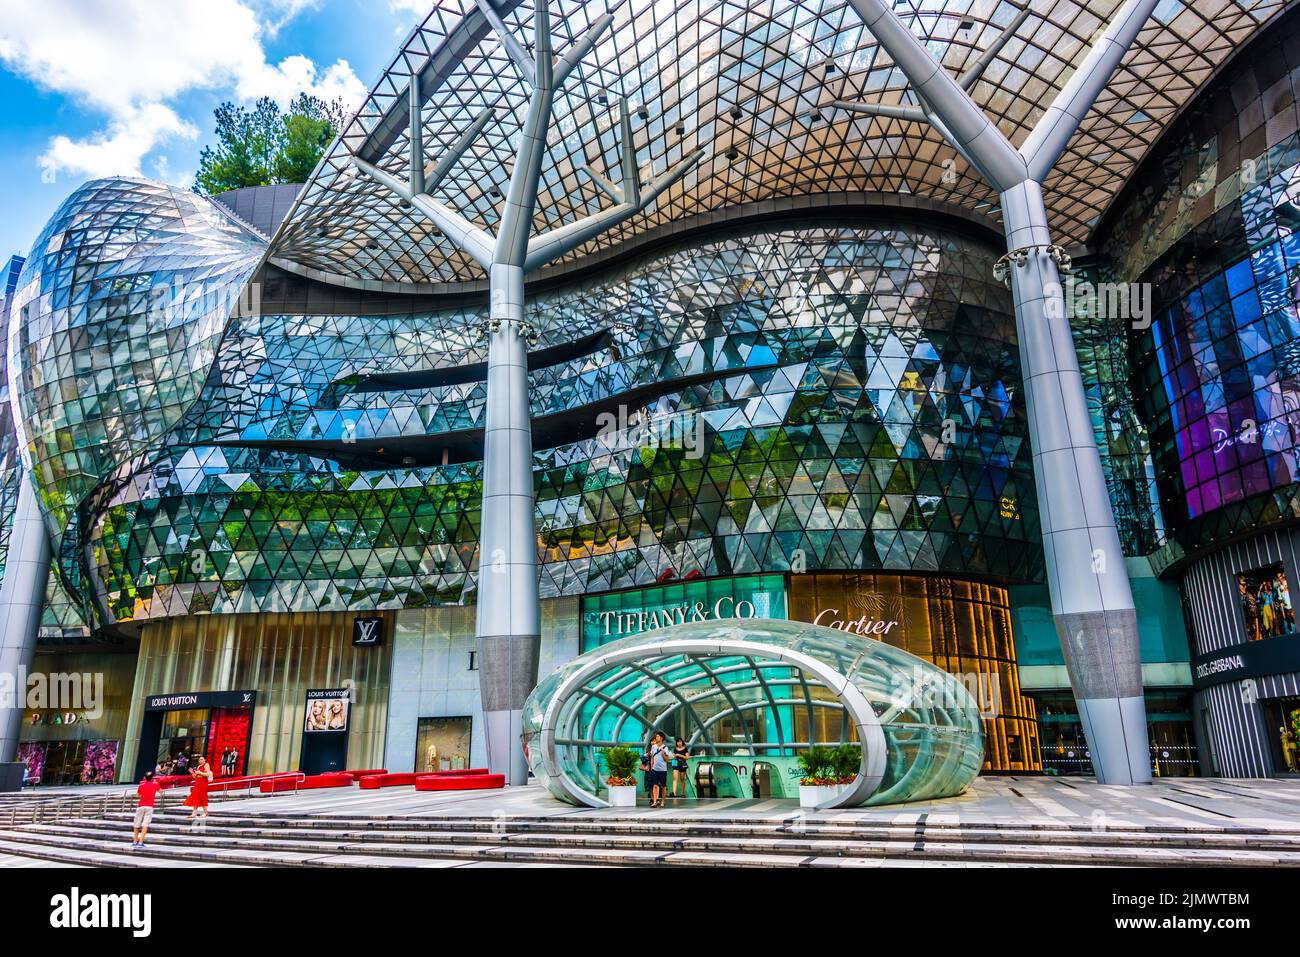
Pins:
x,y
1265,597
327,710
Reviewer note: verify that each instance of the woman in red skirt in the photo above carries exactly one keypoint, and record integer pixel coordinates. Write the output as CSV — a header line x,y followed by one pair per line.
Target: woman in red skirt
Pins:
x,y
198,797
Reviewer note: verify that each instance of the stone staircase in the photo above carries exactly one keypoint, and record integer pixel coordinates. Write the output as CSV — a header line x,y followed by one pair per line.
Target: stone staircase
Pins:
x,y
267,839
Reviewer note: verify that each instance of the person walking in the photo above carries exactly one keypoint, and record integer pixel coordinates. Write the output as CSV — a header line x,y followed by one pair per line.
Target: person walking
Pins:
x,y
680,764
198,797
147,793
659,757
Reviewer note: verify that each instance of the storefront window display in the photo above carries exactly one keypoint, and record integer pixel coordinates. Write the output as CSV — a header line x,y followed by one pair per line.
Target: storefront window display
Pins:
x,y
442,744
99,762
32,755
55,763
1284,725
1266,606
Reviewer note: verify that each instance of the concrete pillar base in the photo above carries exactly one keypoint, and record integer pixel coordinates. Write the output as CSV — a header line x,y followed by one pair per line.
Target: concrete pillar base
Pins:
x,y
505,750
1120,726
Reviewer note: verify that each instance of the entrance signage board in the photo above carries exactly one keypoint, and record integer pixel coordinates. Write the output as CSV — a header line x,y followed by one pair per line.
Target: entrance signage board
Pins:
x,y
606,618
181,701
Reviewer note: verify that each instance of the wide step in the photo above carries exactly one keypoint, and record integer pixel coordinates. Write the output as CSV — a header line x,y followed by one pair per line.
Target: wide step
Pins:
x,y
253,841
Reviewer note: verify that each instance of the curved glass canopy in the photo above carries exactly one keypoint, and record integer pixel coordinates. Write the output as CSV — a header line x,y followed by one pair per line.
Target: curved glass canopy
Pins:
x,y
764,688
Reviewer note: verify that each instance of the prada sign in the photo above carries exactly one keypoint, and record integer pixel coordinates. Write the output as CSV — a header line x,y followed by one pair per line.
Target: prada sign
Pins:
x,y
368,632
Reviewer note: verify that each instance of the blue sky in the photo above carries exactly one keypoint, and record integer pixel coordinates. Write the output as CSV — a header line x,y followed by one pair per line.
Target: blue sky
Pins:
x,y
102,87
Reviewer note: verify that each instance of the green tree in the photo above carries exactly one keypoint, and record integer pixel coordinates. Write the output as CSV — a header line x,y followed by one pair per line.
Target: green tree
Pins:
x,y
262,146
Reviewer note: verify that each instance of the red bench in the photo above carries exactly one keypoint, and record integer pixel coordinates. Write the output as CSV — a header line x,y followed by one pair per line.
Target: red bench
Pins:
x,y
395,780
459,782
331,779
444,774
358,775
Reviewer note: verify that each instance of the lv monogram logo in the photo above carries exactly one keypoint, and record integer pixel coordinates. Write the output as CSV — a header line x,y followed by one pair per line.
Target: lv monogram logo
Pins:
x,y
367,631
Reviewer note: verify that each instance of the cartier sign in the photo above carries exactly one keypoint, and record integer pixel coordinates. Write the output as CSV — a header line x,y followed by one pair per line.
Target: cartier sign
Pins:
x,y
863,625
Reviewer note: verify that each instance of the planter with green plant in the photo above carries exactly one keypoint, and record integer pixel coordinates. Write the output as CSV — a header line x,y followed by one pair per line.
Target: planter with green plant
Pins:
x,y
846,761
818,783
621,763
827,772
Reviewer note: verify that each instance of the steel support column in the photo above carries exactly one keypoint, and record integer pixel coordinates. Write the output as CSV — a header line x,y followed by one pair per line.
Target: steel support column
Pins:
x,y
508,622
1092,603
509,625
22,599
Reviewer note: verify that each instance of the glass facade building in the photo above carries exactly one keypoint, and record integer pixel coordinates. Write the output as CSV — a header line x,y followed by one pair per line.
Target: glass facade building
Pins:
x,y
833,397
1208,227
789,392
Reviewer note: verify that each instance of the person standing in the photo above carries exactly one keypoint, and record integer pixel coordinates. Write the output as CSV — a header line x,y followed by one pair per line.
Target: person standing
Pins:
x,y
1266,610
659,756
680,764
198,798
147,793
1249,609
1285,610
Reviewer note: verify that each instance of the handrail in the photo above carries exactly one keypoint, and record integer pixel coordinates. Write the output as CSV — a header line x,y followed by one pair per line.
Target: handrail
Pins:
x,y
36,809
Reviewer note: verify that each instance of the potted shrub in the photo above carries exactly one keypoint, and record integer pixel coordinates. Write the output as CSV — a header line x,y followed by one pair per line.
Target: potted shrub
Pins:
x,y
846,760
620,764
819,781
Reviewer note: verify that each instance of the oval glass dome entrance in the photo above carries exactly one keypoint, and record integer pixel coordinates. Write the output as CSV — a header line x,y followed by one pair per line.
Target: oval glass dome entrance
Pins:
x,y
761,693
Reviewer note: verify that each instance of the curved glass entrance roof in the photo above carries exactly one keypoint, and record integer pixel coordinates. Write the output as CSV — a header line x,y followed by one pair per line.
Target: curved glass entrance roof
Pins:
x,y
753,84
762,688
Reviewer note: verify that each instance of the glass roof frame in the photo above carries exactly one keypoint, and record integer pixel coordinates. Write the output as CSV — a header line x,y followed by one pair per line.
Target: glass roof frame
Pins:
x,y
751,82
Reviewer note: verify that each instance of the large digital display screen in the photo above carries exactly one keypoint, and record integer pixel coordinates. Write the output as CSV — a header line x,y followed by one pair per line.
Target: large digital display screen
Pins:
x,y
1229,403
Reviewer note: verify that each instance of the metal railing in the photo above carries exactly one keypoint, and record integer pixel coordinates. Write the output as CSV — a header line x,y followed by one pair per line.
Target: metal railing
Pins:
x,y
37,809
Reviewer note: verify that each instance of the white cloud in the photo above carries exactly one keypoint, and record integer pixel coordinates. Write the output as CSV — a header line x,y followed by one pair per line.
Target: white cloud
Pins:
x,y
119,149
128,59
417,8
280,12
297,74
